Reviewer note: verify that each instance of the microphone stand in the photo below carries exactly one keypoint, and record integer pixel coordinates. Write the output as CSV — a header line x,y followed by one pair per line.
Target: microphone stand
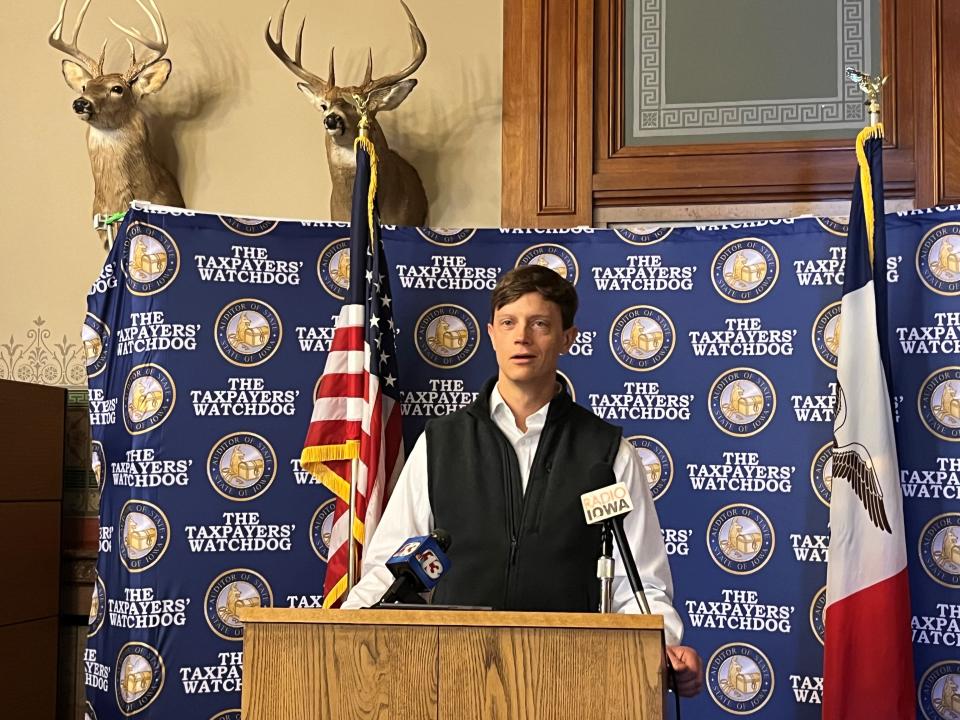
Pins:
x,y
605,569
630,565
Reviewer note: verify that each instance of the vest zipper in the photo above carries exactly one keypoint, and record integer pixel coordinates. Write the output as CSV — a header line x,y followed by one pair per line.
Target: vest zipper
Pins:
x,y
508,457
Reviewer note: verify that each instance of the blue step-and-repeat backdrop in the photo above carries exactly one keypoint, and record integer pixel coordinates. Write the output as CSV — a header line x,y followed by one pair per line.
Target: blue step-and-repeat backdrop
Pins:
x,y
713,347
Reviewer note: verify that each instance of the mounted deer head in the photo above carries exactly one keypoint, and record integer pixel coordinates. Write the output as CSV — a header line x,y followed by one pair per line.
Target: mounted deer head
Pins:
x,y
401,195
124,166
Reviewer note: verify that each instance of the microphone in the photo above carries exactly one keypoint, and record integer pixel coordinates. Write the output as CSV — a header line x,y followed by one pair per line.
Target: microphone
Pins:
x,y
608,504
417,566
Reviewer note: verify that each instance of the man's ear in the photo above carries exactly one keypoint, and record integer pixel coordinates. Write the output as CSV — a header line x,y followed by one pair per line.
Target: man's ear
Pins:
x,y
76,75
390,97
569,337
152,78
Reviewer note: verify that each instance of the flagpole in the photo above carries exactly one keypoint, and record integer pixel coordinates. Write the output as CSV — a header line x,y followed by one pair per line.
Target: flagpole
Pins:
x,y
364,134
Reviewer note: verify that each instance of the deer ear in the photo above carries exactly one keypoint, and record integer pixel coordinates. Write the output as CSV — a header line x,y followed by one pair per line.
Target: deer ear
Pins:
x,y
152,78
76,75
390,97
307,91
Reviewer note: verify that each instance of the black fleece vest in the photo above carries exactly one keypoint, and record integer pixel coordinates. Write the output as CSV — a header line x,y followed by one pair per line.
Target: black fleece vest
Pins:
x,y
512,550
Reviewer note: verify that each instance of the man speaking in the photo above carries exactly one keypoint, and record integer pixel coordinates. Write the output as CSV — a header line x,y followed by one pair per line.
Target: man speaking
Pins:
x,y
504,476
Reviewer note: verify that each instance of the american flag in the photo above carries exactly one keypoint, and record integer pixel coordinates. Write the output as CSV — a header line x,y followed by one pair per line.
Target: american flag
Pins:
x,y
356,412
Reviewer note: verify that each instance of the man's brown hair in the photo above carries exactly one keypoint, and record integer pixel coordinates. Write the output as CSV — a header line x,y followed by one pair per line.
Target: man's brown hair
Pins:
x,y
536,278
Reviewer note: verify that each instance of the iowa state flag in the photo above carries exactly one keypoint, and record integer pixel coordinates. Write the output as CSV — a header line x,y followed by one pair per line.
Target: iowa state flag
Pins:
x,y
868,655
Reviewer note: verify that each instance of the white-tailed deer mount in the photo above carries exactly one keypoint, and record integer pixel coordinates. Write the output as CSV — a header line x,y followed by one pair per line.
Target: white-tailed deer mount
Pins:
x,y
123,164
401,196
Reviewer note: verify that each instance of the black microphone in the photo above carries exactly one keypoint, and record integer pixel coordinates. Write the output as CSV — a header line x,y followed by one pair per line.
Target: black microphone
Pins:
x,y
609,503
417,566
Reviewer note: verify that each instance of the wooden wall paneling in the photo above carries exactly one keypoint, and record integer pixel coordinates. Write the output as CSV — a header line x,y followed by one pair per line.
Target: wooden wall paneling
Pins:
x,y
547,113
28,669
30,538
947,27
31,424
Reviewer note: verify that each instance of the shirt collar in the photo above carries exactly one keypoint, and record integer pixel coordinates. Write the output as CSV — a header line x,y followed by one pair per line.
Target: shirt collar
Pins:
x,y
499,408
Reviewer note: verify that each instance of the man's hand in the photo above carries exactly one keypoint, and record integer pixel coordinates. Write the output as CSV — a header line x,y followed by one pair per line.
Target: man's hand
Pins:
x,y
688,668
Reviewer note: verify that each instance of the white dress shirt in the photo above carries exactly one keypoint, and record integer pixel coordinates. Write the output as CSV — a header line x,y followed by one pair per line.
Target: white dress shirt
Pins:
x,y
408,513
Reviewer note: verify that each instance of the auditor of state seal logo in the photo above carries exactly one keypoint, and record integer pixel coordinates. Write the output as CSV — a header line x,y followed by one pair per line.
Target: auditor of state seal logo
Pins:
x,y
939,548
145,531
233,714
333,268
242,466
739,678
642,338
642,234
825,335
740,539
446,237
567,383
95,336
149,395
742,401
938,403
656,461
138,677
151,259
821,473
938,259
939,691
321,528
817,609
228,594
835,225
247,332
745,270
446,336
553,256
98,607
251,227
98,463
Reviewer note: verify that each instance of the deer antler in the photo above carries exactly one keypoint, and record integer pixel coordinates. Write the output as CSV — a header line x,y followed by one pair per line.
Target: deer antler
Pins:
x,y
159,46
419,54
295,64
94,67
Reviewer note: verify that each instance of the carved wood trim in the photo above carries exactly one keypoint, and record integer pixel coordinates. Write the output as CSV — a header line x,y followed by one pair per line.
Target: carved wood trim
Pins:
x,y
547,131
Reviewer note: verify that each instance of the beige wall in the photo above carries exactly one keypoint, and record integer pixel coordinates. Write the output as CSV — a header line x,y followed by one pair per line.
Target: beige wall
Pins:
x,y
241,136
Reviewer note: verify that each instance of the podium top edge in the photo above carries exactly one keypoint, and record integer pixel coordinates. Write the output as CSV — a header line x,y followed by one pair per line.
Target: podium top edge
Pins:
x,y
452,618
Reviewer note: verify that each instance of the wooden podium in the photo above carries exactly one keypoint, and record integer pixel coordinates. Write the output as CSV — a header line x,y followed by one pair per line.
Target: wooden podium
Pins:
x,y
446,665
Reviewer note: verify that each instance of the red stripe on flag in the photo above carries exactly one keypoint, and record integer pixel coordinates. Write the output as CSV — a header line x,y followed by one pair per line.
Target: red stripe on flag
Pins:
x,y
868,656
394,440
347,338
335,385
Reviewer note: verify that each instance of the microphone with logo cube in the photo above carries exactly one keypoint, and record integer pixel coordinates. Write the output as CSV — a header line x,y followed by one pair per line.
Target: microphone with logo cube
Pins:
x,y
417,567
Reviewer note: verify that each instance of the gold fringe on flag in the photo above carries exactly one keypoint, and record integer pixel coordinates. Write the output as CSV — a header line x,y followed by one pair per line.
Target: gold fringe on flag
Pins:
x,y
866,182
338,591
313,460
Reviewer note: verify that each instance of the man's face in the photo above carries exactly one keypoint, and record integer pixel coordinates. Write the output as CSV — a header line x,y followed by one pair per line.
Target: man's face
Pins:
x,y
528,337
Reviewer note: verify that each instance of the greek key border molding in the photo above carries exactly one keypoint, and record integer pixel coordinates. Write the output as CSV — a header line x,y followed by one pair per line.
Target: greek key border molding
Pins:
x,y
654,117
